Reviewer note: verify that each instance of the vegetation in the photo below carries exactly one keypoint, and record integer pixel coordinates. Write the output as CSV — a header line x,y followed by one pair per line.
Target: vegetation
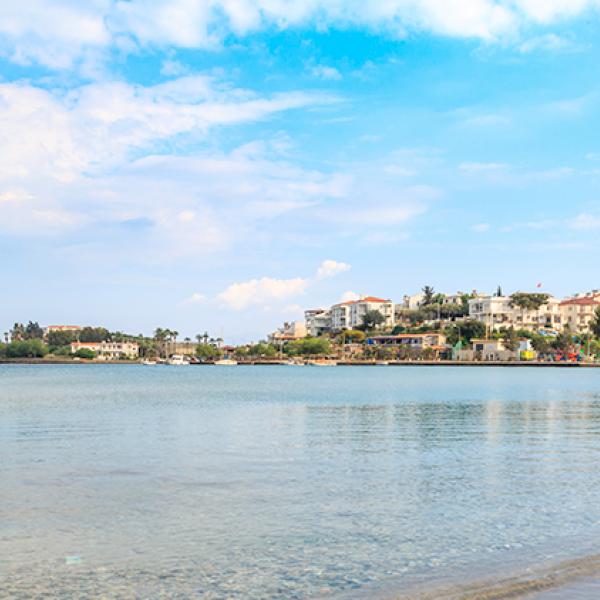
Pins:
x,y
308,347
28,348
595,324
464,331
527,301
58,339
208,352
85,353
428,293
31,331
93,334
372,319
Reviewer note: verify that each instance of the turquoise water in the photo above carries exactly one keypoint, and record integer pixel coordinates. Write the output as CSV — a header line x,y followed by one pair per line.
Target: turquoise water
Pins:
x,y
288,482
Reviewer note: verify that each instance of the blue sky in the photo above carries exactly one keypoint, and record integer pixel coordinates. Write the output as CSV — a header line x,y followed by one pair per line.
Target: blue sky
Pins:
x,y
224,164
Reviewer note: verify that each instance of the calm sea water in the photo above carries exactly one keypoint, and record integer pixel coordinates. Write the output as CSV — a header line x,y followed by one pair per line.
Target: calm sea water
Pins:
x,y
288,482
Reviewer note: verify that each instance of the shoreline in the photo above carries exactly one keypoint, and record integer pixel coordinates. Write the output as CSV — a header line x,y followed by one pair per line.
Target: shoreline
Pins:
x,y
339,363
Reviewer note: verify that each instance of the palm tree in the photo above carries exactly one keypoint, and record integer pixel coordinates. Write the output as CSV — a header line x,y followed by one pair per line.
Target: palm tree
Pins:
x,y
428,293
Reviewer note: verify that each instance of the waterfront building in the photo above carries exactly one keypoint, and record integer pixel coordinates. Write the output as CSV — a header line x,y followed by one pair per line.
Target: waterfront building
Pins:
x,y
317,321
416,341
109,350
340,316
579,311
498,312
289,332
359,308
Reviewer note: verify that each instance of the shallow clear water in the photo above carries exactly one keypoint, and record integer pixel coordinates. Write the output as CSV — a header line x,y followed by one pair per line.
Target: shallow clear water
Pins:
x,y
265,482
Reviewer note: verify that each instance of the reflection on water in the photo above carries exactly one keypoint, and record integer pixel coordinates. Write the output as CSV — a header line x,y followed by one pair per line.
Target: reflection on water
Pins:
x,y
291,483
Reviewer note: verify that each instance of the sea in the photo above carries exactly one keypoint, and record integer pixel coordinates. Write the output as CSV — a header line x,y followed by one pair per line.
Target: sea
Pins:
x,y
255,482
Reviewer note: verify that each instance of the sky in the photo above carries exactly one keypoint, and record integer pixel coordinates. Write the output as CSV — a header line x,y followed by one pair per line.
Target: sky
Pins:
x,y
222,165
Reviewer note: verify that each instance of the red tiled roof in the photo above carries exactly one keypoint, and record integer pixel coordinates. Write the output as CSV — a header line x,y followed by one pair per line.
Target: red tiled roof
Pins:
x,y
580,302
372,299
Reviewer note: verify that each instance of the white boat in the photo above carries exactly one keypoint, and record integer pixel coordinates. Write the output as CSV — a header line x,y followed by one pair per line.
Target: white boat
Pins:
x,y
382,363
149,362
226,362
178,360
322,363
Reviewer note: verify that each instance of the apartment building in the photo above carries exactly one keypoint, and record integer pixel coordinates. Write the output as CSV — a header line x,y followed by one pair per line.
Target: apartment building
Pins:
x,y
109,350
317,321
498,312
348,315
579,312
359,308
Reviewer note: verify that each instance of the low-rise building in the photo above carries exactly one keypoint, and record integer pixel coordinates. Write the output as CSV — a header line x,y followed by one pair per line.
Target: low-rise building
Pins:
x,y
417,341
108,350
288,333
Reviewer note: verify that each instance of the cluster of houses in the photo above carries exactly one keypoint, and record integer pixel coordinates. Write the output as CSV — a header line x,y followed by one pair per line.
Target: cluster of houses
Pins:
x,y
497,312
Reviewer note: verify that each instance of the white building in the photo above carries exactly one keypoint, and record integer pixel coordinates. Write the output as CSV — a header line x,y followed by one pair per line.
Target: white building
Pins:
x,y
359,308
413,302
289,332
317,321
109,350
579,312
498,312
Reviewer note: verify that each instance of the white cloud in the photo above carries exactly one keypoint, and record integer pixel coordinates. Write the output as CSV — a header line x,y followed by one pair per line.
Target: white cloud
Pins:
x,y
63,33
325,72
549,42
585,221
349,296
239,296
481,227
475,167
195,298
331,268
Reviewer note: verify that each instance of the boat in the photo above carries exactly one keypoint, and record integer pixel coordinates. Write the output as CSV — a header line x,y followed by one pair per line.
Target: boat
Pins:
x,y
226,362
178,360
382,363
322,363
149,362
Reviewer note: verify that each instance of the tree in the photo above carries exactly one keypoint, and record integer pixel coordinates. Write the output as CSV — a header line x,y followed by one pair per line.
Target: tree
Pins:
x,y
33,331
511,341
527,301
353,336
372,319
26,349
541,344
428,293
57,339
207,352
499,292
262,350
308,347
17,333
595,324
464,331
85,353
93,334
563,342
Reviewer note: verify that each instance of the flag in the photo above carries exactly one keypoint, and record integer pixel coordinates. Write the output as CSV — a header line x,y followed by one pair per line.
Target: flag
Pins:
x,y
539,285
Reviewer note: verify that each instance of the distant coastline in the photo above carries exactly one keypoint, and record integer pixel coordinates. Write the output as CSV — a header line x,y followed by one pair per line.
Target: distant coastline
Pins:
x,y
341,363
